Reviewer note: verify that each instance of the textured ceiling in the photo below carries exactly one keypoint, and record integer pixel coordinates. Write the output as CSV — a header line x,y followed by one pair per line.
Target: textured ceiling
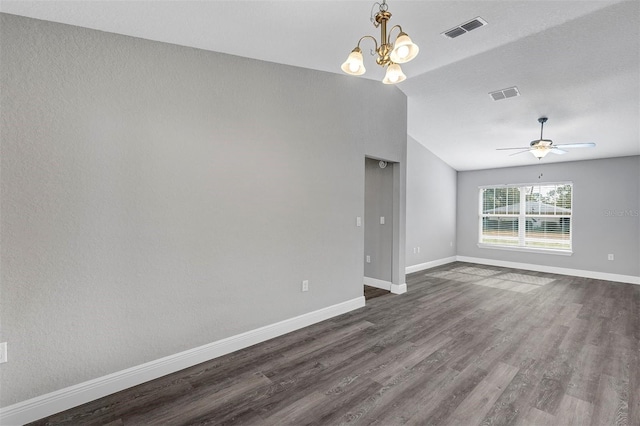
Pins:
x,y
577,62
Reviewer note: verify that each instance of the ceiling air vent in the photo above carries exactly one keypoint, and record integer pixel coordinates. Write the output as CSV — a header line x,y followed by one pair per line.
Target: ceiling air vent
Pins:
x,y
505,93
455,32
465,28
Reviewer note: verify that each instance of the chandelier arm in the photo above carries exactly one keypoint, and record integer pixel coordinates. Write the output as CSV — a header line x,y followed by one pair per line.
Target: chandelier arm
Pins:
x,y
368,36
393,28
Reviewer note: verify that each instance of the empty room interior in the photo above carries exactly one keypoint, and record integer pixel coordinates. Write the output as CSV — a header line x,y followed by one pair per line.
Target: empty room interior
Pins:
x,y
320,212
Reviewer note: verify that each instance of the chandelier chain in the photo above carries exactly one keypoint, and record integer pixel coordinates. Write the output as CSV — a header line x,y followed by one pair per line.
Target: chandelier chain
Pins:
x,y
382,7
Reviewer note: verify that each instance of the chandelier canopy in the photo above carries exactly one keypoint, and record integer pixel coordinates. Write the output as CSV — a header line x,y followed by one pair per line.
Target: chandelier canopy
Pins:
x,y
389,55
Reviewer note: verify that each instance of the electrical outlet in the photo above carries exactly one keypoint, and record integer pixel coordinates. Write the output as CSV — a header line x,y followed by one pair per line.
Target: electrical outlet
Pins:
x,y
610,256
305,285
3,352
368,259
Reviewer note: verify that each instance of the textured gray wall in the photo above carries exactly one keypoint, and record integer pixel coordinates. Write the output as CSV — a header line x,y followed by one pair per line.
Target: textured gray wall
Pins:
x,y
431,206
378,201
156,198
600,189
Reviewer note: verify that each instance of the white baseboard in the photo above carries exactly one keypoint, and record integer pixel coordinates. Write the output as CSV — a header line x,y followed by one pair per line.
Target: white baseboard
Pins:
x,y
386,285
431,264
374,282
629,279
399,288
64,399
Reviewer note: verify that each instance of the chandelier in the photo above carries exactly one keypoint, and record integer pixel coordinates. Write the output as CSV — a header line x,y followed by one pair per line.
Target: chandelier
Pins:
x,y
389,54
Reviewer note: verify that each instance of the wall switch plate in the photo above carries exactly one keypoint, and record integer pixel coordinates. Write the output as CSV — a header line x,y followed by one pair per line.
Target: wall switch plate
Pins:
x,y
368,259
305,285
418,249
358,221
381,220
3,352
610,257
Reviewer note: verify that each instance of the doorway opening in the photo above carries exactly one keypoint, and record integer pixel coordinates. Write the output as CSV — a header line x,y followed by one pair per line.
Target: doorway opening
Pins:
x,y
378,226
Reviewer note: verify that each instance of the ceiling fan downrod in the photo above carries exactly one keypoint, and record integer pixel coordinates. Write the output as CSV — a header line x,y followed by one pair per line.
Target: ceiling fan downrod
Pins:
x,y
542,120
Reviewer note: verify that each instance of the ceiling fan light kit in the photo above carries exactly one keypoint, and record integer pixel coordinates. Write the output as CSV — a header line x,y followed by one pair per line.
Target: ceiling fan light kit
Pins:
x,y
541,147
389,54
539,151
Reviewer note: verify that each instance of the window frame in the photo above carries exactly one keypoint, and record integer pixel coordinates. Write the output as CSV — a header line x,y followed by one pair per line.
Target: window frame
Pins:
x,y
522,217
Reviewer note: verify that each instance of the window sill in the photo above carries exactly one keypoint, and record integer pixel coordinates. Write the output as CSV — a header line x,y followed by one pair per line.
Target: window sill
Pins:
x,y
527,249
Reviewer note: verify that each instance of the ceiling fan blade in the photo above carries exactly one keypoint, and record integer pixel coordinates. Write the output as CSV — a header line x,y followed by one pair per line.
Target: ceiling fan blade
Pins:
x,y
557,150
516,153
504,149
576,145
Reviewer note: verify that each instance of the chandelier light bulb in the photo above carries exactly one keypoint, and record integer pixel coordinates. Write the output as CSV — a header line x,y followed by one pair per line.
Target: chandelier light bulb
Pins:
x,y
354,64
394,75
404,49
402,52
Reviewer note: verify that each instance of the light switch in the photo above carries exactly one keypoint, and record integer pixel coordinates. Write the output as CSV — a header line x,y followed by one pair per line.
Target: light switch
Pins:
x,y
358,221
381,220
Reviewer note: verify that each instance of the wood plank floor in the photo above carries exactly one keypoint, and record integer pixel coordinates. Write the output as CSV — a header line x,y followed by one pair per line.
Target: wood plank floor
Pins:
x,y
466,345
373,292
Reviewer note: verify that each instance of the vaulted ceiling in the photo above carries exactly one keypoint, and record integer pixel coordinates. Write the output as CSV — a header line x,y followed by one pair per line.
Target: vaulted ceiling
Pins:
x,y
577,62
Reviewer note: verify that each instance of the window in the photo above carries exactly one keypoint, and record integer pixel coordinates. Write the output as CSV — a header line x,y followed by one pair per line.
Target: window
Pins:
x,y
534,216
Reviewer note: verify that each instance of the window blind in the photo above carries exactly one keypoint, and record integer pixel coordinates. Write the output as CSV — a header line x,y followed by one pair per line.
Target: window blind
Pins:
x,y
535,216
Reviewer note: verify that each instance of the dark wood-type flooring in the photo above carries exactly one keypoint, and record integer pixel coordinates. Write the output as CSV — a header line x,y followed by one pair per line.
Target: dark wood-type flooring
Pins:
x,y
373,292
466,345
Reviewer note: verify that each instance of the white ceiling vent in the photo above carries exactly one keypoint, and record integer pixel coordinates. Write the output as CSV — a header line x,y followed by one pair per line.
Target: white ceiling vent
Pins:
x,y
510,92
465,28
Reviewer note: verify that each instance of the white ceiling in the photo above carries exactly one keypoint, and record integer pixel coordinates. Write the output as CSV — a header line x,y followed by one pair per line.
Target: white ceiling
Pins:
x,y
577,62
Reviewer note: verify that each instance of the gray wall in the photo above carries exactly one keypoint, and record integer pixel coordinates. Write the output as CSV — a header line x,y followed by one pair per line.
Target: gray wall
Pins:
x,y
156,198
431,206
601,189
378,202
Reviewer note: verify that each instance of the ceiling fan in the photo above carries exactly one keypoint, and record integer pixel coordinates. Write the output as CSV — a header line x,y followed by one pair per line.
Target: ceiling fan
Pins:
x,y
541,147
